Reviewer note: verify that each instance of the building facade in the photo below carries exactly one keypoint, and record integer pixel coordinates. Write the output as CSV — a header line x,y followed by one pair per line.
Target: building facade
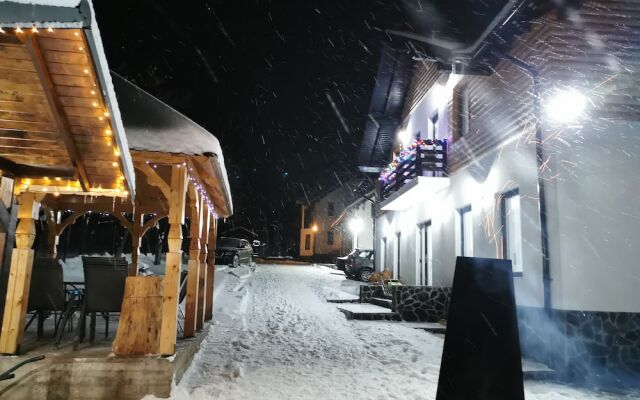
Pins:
x,y
536,161
332,224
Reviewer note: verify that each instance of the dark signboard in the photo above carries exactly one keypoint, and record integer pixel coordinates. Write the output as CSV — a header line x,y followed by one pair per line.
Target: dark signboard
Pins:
x,y
481,355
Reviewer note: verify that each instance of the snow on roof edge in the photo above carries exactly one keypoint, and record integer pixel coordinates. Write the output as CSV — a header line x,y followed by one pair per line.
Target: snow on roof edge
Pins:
x,y
103,71
216,149
58,14
52,3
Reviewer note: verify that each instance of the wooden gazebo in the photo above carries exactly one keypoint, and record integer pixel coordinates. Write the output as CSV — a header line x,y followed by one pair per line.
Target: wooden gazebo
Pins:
x,y
180,173
63,146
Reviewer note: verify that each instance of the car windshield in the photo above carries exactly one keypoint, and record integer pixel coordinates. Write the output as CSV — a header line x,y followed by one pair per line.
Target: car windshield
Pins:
x,y
228,242
364,254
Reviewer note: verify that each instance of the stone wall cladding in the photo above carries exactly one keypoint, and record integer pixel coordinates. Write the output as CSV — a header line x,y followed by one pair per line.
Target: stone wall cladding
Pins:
x,y
369,291
592,348
422,303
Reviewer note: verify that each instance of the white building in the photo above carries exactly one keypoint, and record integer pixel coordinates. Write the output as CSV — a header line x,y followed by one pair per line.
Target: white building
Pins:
x,y
544,115
334,223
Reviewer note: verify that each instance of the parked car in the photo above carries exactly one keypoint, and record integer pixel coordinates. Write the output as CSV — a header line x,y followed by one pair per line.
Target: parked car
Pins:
x,y
359,264
341,262
257,247
233,251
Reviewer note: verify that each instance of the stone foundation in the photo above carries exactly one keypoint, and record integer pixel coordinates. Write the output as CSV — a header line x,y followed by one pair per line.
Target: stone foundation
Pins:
x,y
369,291
593,349
421,303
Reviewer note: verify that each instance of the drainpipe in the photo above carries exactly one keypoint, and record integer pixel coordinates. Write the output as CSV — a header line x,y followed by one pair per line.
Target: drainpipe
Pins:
x,y
542,201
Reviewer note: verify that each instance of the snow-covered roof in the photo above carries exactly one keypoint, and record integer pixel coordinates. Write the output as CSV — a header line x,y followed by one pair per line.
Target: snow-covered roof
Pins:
x,y
152,125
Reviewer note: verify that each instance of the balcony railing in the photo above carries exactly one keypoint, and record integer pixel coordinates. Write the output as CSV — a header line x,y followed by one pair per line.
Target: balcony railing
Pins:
x,y
421,158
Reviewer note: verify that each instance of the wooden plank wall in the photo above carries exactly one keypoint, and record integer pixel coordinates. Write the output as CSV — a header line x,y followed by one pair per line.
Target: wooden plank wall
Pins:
x,y
595,50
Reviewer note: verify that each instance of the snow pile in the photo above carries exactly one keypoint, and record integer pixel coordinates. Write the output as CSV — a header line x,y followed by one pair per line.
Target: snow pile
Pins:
x,y
54,3
275,337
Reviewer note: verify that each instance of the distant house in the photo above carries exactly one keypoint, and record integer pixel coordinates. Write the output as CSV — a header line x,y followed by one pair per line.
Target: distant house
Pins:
x,y
331,224
524,147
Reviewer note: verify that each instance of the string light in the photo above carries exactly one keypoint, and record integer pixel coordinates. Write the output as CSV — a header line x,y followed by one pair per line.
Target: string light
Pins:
x,y
50,29
2,30
95,104
86,71
116,153
115,164
93,92
34,29
81,48
76,33
108,132
18,30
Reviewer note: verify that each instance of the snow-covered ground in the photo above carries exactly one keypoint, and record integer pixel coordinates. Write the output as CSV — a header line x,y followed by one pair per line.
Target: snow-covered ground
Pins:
x,y
276,337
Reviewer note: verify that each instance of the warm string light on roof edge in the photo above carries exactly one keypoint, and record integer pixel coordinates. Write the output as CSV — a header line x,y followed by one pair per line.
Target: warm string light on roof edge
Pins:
x,y
44,185
199,188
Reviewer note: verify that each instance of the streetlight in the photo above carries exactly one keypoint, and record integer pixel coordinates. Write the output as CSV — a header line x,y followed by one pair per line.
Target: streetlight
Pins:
x,y
404,137
355,225
314,228
566,106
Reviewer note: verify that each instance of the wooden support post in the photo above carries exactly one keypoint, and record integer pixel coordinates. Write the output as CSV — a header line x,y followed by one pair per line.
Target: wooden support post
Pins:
x,y
193,276
136,238
15,309
211,268
171,280
202,282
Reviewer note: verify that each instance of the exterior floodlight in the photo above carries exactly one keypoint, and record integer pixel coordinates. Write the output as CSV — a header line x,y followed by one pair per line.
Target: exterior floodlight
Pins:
x,y
355,225
404,137
566,106
314,228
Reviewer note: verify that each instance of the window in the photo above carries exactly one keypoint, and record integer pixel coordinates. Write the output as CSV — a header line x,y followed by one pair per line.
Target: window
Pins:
x,y
466,232
463,111
331,209
396,258
330,238
512,229
424,249
432,129
307,242
383,254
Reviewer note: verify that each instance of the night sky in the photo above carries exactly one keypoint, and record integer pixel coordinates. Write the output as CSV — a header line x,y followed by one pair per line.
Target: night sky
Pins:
x,y
262,77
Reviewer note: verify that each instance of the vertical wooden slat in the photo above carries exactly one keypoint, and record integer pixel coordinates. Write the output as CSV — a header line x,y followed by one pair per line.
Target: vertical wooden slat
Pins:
x,y
171,280
193,276
15,309
211,268
53,218
202,282
136,237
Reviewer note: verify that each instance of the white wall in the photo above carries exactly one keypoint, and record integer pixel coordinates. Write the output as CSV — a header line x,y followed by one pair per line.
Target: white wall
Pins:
x,y
594,211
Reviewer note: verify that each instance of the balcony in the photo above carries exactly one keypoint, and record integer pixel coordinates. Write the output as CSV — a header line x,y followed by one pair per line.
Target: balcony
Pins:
x,y
418,170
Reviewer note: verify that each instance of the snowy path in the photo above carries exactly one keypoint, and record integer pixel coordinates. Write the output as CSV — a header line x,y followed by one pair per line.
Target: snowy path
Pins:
x,y
276,337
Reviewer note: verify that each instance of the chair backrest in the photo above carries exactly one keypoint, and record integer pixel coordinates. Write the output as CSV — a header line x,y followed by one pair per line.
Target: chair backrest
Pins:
x,y
104,280
183,286
46,292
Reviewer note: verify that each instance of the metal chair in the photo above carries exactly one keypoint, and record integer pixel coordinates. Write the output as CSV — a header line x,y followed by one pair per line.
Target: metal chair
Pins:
x,y
104,281
46,293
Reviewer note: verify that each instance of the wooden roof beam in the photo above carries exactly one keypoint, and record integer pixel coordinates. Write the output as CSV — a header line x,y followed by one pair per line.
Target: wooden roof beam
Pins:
x,y
16,170
40,64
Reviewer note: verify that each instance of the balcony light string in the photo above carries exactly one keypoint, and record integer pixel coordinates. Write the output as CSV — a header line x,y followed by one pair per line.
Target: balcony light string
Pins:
x,y
407,153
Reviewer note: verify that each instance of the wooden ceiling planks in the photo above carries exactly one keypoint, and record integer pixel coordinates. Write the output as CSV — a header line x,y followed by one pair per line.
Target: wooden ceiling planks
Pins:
x,y
52,113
